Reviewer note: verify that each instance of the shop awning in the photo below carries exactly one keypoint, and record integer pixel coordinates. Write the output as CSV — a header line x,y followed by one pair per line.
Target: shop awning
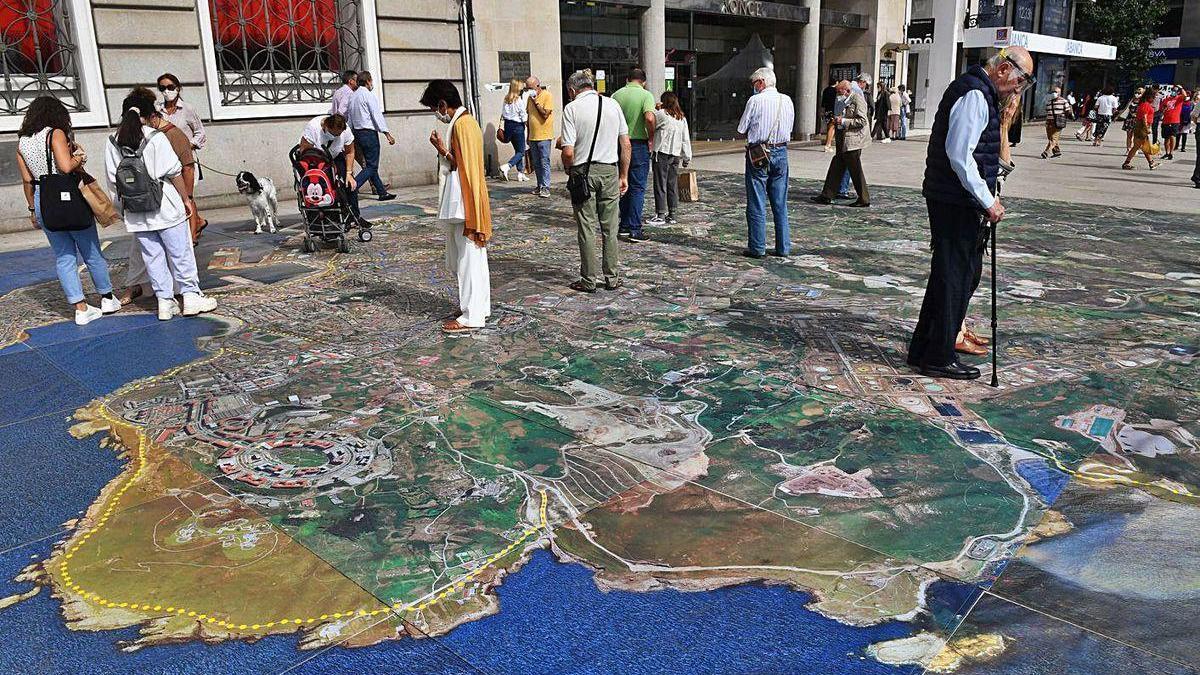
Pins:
x,y
1005,36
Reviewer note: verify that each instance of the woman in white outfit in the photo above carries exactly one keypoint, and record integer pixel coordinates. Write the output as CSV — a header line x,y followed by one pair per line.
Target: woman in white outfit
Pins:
x,y
464,209
162,234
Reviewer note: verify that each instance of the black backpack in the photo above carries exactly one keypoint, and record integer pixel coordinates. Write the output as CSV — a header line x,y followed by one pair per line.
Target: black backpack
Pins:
x,y
139,191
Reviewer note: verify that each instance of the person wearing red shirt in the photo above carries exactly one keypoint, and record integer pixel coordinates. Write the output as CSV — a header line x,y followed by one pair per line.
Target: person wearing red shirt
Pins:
x,y
1172,107
1141,131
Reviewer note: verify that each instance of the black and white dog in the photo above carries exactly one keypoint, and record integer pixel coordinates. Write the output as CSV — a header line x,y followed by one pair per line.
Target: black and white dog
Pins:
x,y
260,192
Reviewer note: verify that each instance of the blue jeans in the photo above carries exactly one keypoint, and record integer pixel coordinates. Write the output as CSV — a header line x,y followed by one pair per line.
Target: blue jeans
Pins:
x,y
844,188
540,154
367,141
762,185
71,247
903,123
634,198
515,133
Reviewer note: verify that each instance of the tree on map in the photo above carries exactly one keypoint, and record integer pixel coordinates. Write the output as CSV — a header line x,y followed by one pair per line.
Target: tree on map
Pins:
x,y
1131,26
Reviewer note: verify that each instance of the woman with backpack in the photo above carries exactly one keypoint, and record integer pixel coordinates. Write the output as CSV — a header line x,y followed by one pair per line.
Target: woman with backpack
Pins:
x,y
144,176
46,154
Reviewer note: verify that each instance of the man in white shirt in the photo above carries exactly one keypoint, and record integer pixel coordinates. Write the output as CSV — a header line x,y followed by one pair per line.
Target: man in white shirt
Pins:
x,y
601,154
341,97
1106,107
767,119
961,171
330,133
364,116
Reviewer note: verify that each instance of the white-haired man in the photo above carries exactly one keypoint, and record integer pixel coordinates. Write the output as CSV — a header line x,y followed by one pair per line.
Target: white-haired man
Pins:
x,y
767,124
595,147
861,85
961,172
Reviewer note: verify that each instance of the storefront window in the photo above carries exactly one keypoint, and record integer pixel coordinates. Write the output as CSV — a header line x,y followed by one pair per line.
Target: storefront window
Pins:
x,y
1023,15
1056,18
37,55
284,51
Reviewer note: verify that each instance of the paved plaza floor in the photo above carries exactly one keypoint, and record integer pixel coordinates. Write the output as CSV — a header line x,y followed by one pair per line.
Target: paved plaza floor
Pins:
x,y
722,467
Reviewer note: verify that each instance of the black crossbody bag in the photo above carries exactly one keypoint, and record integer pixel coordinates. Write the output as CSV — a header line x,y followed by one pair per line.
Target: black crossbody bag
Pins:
x,y
577,183
62,204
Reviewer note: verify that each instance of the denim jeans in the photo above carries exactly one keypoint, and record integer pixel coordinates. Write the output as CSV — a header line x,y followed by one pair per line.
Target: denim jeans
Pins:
x,y
844,188
367,141
903,123
634,198
515,133
762,185
71,247
540,154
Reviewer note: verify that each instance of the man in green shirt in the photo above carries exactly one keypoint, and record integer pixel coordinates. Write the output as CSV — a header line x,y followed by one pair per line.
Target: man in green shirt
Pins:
x,y
637,104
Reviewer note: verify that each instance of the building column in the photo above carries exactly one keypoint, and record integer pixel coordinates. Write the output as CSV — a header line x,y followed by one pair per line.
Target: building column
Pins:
x,y
808,81
653,46
943,53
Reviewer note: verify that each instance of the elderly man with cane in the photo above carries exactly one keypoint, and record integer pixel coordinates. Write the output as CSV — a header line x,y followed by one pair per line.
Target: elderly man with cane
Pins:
x,y
961,170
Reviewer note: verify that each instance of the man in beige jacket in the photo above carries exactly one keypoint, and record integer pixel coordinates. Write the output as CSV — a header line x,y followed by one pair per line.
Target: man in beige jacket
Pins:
x,y
852,134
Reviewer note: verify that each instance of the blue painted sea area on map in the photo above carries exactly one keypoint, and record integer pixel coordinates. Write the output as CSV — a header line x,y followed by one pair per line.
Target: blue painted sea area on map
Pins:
x,y
553,618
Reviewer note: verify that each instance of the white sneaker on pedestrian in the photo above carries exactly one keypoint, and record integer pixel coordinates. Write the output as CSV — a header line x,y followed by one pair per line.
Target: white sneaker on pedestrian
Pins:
x,y
110,305
521,177
829,148
85,316
887,140
197,303
657,220
504,171
167,308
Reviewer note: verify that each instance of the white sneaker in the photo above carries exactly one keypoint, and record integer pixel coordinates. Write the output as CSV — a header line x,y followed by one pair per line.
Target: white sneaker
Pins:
x,y
109,305
86,316
167,308
887,140
521,177
197,303
657,220
504,171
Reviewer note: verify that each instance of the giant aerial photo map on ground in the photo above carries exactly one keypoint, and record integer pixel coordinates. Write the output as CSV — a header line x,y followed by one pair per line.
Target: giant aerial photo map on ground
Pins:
x,y
722,467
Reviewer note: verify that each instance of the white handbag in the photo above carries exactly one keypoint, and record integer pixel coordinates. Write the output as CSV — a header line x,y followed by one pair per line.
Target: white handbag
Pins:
x,y
450,205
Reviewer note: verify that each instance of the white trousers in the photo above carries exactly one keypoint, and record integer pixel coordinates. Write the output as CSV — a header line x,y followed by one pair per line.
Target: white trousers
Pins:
x,y
169,259
135,273
470,264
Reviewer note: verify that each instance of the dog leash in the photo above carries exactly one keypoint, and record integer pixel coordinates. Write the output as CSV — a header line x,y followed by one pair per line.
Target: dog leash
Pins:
x,y
209,168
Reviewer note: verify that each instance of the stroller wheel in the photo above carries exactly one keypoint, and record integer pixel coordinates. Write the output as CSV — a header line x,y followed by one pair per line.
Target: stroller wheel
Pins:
x,y
309,246
343,245
365,235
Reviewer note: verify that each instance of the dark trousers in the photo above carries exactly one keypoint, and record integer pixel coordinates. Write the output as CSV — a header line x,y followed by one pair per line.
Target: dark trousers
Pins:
x,y
957,237
666,183
841,163
339,163
1196,172
367,142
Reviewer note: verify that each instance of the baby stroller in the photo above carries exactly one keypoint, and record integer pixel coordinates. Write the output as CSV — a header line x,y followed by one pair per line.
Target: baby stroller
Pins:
x,y
323,200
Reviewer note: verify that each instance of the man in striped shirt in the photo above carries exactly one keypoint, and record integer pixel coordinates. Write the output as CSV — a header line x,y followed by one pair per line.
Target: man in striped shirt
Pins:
x,y
1057,112
768,119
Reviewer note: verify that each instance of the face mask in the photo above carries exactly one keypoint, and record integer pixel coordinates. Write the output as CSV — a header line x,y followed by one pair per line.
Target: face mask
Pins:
x,y
442,117
170,95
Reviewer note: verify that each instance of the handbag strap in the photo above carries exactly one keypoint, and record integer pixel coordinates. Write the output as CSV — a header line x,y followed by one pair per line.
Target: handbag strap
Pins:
x,y
587,166
51,167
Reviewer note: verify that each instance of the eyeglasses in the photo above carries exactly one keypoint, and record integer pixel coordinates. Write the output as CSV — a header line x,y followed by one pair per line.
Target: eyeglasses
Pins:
x,y
167,87
1025,79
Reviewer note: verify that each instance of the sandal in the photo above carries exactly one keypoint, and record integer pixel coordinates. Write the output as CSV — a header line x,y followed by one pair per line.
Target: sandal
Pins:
x,y
582,287
1127,166
1155,165
453,326
132,293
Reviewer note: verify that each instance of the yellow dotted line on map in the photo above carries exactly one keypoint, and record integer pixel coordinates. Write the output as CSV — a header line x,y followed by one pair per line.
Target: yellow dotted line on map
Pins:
x,y
97,599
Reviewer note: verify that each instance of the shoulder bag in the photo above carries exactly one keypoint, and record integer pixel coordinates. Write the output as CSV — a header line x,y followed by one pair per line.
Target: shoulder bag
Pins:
x,y
62,204
758,153
577,182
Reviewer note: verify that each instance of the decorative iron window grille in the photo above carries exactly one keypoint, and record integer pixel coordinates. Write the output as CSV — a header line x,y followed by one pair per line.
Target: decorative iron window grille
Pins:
x,y
284,51
37,55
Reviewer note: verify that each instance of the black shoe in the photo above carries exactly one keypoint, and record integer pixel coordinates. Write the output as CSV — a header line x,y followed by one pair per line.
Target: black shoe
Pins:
x,y
860,204
1056,155
582,287
639,237
614,285
954,371
820,199
363,223
777,254
1196,184
752,254
622,230
387,197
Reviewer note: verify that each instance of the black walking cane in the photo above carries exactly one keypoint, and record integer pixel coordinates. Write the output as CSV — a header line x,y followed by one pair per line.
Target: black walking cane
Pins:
x,y
995,344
